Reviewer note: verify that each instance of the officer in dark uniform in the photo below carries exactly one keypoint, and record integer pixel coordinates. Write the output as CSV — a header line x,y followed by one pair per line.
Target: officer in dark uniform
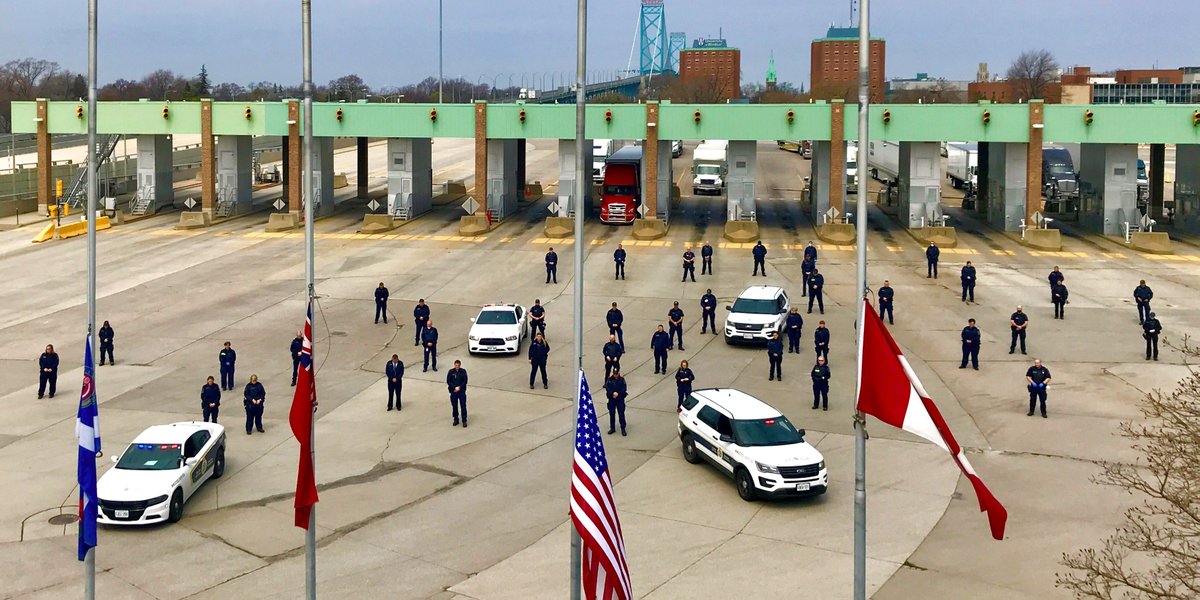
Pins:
x,y
381,298
821,339
820,380
1037,377
816,283
967,276
429,340
708,312
683,382
970,345
395,376
807,266
537,318
614,318
775,356
296,348
1150,330
660,342
254,399
810,252
106,343
210,400
615,391
760,259
619,258
456,384
1054,278
47,371
689,264
539,353
886,296
675,320
612,354
931,258
420,320
552,266
795,328
1018,322
706,254
227,359
1058,295
1142,295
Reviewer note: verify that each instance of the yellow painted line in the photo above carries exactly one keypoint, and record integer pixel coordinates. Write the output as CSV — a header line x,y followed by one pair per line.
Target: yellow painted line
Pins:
x,y
176,232
1004,252
539,241
597,242
895,249
505,240
960,251
420,237
441,238
294,235
477,239
1191,258
404,236
390,236
1114,255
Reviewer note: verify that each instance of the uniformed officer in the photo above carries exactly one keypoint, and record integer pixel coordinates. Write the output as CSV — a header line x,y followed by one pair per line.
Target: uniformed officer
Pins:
x,y
967,276
886,296
708,312
429,339
970,345
1037,378
683,382
210,400
1150,330
820,381
816,283
706,254
931,258
1018,322
619,258
760,259
456,384
795,328
821,339
254,399
614,318
1142,295
615,391
47,371
675,320
1054,278
106,343
775,356
539,353
689,264
612,354
810,252
660,342
552,266
227,359
394,370
537,318
420,320
1058,295
807,266
381,298
296,348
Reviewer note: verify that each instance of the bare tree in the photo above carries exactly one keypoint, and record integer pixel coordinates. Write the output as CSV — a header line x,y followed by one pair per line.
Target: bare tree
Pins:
x,y
1031,72
157,83
25,76
702,89
1156,553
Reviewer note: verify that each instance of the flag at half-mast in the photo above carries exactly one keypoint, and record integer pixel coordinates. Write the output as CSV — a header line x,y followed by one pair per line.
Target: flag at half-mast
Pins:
x,y
303,413
87,430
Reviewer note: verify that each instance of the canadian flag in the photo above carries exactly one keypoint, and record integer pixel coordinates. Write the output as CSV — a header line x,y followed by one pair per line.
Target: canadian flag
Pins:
x,y
890,391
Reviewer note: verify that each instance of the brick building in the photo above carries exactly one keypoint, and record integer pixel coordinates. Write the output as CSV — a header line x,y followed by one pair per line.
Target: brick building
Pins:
x,y
718,64
835,65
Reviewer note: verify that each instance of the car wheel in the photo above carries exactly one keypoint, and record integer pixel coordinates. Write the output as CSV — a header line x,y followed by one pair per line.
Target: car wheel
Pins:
x,y
176,511
689,450
745,485
729,340
219,464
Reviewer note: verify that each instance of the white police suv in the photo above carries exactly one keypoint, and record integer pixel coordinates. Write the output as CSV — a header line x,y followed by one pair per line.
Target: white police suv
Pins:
x,y
756,314
160,470
498,329
750,441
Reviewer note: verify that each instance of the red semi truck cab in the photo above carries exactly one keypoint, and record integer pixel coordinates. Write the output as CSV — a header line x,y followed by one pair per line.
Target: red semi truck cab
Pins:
x,y
621,194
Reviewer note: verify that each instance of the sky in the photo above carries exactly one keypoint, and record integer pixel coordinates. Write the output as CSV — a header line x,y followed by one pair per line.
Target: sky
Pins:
x,y
395,42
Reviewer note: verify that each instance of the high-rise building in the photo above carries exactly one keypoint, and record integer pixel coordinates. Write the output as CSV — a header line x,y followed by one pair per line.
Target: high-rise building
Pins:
x,y
713,63
835,65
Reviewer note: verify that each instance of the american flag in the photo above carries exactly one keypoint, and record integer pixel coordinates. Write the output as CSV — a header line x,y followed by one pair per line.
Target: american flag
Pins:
x,y
594,510
301,417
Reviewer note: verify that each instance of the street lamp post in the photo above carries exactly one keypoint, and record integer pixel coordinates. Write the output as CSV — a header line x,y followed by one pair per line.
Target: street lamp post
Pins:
x,y
440,95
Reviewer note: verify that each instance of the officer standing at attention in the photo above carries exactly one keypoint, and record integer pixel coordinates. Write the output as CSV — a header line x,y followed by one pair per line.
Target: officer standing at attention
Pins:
x,y
660,342
760,259
706,254
970,345
807,266
775,356
820,379
614,319
227,359
254,399
47,371
615,391
886,295
795,328
296,348
816,283
1058,295
1037,378
931,258
683,382
420,320
612,354
429,337
1055,277
1150,330
619,259
381,297
708,312
1018,322
551,266
456,383
810,252
106,343
539,353
822,340
689,264
968,282
537,318
675,320
395,379
1142,295
210,400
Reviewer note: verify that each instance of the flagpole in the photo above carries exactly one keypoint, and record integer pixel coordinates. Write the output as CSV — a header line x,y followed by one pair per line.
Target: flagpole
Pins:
x,y
89,561
860,423
310,534
580,204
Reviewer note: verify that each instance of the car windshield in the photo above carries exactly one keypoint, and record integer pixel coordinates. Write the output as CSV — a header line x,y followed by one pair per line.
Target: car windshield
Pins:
x,y
755,307
766,432
620,190
151,457
496,317
851,164
1060,169
708,170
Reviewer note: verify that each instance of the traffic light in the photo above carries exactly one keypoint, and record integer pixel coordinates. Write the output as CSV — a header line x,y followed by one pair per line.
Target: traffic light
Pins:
x,y
521,115
166,112
247,113
433,114
79,111
887,117
1196,118
696,115
340,115
987,117
791,116
608,116
1087,117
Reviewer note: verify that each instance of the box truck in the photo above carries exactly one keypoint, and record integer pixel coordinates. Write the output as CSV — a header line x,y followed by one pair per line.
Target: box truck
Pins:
x,y
962,164
710,164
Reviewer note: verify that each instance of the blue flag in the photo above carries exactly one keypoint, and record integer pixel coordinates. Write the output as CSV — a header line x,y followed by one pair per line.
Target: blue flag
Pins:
x,y
87,429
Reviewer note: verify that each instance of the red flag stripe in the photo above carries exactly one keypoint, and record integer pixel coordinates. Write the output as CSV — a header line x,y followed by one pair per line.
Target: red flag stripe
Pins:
x,y
600,522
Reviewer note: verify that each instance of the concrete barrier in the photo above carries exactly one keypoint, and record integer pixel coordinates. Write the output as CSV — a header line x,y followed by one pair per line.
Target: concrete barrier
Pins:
x,y
283,221
47,233
559,227
649,229
194,219
1043,239
841,234
1151,242
70,230
533,192
944,237
340,181
377,224
473,225
741,232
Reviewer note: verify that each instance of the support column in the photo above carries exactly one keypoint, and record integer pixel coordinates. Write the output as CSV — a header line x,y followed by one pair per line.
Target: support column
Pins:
x,y
362,171
235,179
208,160
502,187
1033,162
45,168
478,223
741,223
1108,187
982,177
656,181
837,157
920,186
293,158
1157,176
322,161
155,176
521,169
410,177
650,158
1007,184
825,184
560,224
1187,187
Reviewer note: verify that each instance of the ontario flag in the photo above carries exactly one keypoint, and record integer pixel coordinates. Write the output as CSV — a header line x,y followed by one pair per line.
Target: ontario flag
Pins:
x,y
304,408
889,390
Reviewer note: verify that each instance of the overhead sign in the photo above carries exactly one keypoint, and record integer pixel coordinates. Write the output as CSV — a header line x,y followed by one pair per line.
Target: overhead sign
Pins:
x,y
470,205
190,203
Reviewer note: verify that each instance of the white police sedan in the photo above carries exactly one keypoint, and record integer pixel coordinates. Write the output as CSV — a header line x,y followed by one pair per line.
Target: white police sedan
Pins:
x,y
160,470
498,329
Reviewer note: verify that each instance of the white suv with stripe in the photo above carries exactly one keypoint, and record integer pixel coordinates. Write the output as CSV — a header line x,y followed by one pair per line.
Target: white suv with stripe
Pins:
x,y
751,442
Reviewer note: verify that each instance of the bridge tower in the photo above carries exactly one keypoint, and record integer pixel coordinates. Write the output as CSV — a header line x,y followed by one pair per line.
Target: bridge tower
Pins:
x,y
653,35
678,41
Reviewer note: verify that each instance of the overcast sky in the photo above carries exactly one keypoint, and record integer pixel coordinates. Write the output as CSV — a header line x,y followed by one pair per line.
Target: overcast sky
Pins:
x,y
395,42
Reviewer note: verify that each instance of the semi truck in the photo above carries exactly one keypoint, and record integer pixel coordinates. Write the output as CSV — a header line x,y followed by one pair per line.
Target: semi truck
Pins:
x,y
621,194
852,168
710,165
601,149
1058,174
885,161
962,164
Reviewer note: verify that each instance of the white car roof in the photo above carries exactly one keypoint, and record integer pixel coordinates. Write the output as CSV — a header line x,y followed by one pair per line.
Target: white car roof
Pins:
x,y
738,404
499,308
175,433
761,292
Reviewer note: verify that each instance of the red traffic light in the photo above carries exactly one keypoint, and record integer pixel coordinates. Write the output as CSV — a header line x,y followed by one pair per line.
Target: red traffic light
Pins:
x,y
1196,118
433,114
791,116
79,112
987,117
521,115
340,114
887,117
247,113
166,112
608,116
696,115
1087,117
